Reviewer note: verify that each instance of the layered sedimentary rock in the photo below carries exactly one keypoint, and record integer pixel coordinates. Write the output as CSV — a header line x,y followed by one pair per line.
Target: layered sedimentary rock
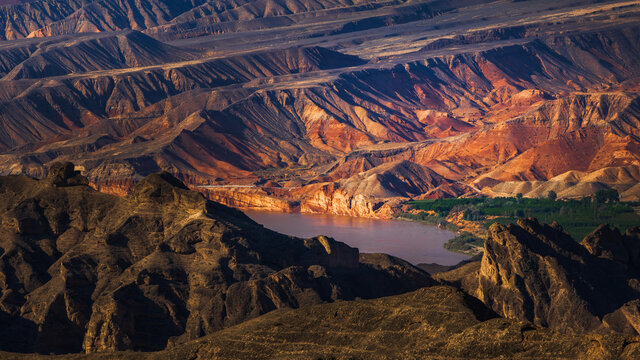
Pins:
x,y
86,271
357,195
317,97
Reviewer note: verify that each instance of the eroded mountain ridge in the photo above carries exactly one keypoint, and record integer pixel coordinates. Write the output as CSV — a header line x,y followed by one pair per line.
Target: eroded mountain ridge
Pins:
x,y
337,102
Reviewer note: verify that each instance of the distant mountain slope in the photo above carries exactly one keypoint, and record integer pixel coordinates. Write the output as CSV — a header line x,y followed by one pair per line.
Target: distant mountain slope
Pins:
x,y
103,15
96,52
79,102
243,10
63,17
229,17
469,93
19,20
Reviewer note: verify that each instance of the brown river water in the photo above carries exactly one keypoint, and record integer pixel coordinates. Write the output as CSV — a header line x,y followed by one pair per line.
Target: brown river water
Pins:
x,y
413,242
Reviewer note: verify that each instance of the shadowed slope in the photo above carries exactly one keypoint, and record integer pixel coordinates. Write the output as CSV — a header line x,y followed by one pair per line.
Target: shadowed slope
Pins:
x,y
88,271
435,323
97,52
538,273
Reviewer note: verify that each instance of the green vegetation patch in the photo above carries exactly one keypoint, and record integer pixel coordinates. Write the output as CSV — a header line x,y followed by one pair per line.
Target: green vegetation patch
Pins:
x,y
464,243
577,217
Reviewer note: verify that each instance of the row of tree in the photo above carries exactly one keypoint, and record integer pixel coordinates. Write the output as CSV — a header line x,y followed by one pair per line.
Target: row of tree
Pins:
x,y
602,196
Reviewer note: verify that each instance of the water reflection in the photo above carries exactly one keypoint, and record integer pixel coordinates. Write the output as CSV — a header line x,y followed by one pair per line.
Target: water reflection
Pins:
x,y
410,241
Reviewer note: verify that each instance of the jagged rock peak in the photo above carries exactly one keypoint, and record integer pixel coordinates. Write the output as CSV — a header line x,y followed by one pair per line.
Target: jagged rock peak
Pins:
x,y
531,234
332,252
65,174
608,243
537,272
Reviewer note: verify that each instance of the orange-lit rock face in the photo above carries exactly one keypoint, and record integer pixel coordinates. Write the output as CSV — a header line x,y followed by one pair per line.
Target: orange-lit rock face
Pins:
x,y
346,114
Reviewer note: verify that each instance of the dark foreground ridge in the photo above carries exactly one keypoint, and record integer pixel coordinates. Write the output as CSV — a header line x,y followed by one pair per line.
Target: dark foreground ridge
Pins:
x,y
166,270
82,271
437,322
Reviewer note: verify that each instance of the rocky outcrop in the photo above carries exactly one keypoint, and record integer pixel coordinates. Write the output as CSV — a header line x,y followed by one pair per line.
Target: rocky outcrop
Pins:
x,y
529,272
538,273
86,271
436,322
607,243
251,199
322,198
376,193
65,174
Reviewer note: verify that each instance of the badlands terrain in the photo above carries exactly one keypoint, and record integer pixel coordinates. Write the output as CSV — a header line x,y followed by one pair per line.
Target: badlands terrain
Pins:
x,y
338,106
164,273
170,110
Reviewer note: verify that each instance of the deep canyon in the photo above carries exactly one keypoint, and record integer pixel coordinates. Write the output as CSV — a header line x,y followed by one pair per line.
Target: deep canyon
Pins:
x,y
134,133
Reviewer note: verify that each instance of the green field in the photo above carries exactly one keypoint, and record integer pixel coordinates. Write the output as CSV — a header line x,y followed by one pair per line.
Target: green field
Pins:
x,y
577,217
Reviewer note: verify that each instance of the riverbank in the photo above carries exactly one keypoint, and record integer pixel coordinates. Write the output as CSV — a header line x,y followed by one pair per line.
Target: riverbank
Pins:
x,y
469,239
411,241
470,217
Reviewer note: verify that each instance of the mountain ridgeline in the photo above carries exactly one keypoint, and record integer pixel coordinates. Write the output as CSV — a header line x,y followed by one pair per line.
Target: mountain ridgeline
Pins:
x,y
483,108
86,271
172,110
166,270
